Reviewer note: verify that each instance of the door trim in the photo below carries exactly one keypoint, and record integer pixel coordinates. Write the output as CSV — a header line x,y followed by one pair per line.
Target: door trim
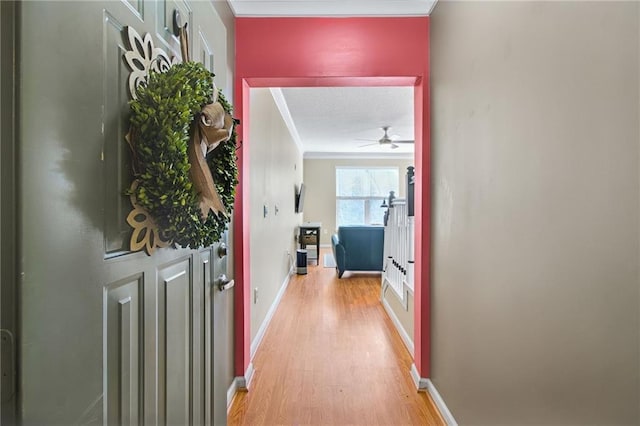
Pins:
x,y
8,210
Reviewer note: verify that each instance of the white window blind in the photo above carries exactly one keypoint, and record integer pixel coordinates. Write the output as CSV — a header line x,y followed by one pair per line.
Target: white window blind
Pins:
x,y
360,192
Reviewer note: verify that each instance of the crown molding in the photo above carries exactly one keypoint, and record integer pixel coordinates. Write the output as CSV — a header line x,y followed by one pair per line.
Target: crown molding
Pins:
x,y
358,155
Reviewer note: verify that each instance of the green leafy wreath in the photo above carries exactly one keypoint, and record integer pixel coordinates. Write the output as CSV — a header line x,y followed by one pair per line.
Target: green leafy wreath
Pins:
x,y
162,119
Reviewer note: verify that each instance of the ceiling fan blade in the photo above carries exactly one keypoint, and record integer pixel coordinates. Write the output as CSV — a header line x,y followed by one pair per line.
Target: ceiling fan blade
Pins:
x,y
404,141
394,146
368,144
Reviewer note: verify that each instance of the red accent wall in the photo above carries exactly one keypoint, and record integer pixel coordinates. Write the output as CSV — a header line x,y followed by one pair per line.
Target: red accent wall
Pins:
x,y
308,52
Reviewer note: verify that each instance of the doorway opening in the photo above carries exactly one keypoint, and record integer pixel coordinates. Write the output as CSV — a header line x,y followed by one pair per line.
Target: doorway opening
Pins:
x,y
333,52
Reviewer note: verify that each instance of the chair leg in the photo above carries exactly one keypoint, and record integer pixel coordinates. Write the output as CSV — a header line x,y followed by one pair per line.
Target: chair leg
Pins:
x,y
339,273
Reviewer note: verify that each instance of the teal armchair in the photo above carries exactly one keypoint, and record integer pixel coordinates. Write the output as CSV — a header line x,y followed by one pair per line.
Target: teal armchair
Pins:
x,y
358,248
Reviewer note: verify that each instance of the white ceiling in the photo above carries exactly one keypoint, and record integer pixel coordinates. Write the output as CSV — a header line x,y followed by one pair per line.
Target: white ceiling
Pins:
x,y
332,121
327,122
331,7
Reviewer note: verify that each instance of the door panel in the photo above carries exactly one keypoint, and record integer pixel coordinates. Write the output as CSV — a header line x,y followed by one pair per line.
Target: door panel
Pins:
x,y
175,343
164,24
137,7
124,321
201,50
115,154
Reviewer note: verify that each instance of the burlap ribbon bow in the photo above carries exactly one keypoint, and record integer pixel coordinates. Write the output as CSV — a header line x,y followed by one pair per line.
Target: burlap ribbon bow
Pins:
x,y
212,127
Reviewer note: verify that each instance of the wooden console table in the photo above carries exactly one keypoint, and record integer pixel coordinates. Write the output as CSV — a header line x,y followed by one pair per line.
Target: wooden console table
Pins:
x,y
310,235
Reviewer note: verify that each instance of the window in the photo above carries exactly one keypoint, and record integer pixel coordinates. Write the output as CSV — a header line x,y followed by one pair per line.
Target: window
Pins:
x,y
360,191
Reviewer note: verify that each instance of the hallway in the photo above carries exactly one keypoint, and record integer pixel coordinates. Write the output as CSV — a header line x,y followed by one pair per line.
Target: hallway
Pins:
x,y
332,356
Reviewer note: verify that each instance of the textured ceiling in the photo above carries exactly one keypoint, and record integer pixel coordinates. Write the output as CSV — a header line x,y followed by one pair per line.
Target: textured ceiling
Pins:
x,y
331,120
332,7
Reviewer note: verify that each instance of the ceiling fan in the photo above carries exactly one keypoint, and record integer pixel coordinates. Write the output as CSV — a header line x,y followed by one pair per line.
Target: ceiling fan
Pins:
x,y
385,140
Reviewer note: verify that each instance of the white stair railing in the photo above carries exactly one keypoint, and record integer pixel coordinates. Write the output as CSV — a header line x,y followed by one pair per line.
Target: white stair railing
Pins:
x,y
399,248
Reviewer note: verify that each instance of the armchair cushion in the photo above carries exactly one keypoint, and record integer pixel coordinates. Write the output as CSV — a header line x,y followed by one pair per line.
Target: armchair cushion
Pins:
x,y
358,248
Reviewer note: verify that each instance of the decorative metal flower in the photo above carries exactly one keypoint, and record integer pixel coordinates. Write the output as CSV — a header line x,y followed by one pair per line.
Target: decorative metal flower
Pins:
x,y
146,234
142,57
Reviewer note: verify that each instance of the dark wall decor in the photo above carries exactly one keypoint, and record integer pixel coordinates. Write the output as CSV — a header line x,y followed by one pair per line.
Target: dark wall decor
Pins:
x,y
183,145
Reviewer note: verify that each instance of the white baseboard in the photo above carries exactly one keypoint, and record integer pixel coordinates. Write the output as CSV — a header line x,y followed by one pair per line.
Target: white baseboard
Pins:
x,y
243,382
263,328
427,385
239,383
442,407
231,392
406,339
420,382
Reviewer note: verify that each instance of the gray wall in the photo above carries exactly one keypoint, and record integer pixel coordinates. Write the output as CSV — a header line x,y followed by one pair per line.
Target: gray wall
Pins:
x,y
535,226
275,170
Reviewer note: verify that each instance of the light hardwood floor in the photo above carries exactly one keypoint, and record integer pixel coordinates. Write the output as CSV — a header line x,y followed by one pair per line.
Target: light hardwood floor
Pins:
x,y
332,356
